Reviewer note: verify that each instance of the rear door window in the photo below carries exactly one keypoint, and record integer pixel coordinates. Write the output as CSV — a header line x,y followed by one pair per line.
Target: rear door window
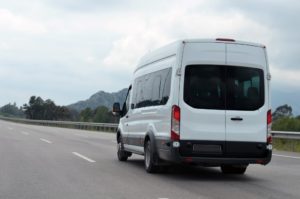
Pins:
x,y
204,86
223,87
245,88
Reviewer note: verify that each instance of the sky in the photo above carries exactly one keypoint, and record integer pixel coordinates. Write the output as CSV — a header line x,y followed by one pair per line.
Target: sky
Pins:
x,y
67,50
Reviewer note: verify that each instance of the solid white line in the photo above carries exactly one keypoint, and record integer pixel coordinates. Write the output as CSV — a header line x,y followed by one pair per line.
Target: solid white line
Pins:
x,y
44,140
24,133
83,157
286,156
9,128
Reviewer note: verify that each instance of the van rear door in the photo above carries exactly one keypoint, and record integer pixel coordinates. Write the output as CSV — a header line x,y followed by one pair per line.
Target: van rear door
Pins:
x,y
246,98
201,94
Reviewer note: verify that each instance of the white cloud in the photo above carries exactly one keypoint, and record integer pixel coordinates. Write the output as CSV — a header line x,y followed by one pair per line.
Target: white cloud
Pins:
x,y
285,78
12,22
136,40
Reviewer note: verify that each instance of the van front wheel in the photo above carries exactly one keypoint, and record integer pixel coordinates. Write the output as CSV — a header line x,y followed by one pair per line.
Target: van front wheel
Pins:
x,y
122,155
149,158
234,169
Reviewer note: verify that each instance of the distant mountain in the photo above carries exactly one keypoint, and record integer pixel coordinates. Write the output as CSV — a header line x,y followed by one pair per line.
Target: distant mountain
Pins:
x,y
100,98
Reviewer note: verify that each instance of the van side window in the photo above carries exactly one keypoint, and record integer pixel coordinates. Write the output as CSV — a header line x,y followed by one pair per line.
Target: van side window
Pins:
x,y
166,86
147,90
155,99
126,104
139,93
152,89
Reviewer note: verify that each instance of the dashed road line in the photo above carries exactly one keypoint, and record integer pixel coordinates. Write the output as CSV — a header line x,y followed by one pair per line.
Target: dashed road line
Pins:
x,y
83,157
286,156
44,140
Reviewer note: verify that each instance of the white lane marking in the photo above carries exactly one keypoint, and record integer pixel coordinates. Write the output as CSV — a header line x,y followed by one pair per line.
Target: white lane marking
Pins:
x,y
286,156
83,157
114,141
24,133
44,140
163,198
9,128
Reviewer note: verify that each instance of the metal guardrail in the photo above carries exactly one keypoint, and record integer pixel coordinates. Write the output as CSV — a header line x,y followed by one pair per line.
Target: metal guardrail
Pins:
x,y
112,127
286,135
109,127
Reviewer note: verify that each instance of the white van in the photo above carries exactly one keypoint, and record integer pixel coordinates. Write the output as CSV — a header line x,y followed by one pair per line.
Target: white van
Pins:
x,y
201,102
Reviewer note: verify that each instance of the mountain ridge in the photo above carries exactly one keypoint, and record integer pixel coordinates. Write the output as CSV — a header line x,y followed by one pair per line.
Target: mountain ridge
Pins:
x,y
101,98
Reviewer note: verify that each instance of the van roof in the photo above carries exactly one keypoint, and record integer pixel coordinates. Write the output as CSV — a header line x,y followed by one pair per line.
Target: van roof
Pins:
x,y
175,47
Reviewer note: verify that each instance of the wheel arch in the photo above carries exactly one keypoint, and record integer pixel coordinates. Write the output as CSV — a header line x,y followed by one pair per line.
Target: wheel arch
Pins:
x,y
150,136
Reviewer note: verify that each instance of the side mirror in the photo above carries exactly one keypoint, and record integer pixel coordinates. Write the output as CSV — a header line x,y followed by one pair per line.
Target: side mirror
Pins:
x,y
116,109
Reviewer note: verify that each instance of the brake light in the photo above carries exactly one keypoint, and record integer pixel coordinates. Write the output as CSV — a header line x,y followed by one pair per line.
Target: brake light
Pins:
x,y
269,117
269,124
225,39
175,123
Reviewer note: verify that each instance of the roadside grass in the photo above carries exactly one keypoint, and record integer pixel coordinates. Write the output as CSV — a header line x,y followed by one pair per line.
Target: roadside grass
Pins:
x,y
286,145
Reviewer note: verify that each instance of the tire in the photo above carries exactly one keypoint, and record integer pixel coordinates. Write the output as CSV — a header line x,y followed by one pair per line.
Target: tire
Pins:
x,y
122,155
234,169
149,158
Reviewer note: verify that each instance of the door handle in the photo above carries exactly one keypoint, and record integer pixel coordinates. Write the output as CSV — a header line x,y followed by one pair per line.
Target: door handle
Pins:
x,y
236,119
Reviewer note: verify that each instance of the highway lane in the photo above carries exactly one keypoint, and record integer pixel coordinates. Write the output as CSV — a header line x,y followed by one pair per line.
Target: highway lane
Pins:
x,y
48,162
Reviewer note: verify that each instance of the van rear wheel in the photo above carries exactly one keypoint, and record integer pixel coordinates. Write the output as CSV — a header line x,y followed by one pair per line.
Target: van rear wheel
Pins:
x,y
234,169
149,158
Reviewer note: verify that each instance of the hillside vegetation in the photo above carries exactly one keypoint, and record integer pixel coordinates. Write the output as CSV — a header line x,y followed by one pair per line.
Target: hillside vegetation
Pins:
x,y
283,119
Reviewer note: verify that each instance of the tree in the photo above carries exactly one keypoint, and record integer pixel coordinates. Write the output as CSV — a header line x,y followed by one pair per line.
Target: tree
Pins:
x,y
282,111
86,115
11,110
100,114
39,109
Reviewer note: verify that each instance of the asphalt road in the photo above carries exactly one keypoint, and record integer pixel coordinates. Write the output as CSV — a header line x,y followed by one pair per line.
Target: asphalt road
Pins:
x,y
45,162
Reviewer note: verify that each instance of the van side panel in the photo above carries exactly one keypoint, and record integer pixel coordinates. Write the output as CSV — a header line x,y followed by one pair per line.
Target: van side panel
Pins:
x,y
154,118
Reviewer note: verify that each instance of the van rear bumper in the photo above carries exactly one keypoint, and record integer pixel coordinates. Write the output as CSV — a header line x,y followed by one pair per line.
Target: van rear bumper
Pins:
x,y
177,155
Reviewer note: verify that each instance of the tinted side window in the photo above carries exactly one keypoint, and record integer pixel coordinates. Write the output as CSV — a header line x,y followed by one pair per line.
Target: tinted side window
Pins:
x,y
152,89
155,98
204,86
245,88
139,93
126,104
166,86
148,81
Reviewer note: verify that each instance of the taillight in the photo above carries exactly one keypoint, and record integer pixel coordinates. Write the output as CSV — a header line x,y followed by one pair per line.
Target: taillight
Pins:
x,y
175,123
269,124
